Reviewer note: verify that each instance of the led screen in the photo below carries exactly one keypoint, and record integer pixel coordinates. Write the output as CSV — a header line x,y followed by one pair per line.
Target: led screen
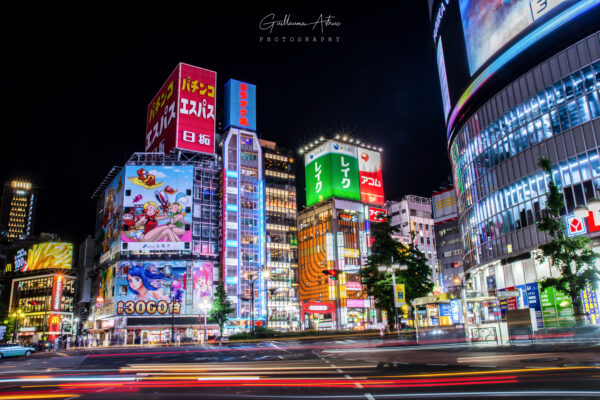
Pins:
x,y
111,215
371,176
150,288
41,256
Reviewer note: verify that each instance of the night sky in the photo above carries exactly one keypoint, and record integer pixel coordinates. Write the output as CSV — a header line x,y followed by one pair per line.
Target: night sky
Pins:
x,y
74,91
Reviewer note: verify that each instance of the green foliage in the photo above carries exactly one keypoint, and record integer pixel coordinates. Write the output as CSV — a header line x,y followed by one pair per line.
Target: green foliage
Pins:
x,y
571,256
221,308
386,250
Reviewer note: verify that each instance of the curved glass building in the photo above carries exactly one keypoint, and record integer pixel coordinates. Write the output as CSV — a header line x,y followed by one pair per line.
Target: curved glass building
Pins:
x,y
520,81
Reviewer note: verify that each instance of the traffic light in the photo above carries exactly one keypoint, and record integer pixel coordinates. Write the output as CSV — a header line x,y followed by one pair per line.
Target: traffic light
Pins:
x,y
331,273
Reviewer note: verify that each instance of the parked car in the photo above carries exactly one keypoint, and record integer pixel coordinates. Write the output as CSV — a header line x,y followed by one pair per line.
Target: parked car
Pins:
x,y
14,350
217,339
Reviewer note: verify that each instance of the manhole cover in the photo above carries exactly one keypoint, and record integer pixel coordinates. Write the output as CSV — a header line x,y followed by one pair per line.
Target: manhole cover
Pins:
x,y
543,359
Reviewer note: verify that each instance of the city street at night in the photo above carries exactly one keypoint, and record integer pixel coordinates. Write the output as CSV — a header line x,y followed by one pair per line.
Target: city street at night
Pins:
x,y
351,368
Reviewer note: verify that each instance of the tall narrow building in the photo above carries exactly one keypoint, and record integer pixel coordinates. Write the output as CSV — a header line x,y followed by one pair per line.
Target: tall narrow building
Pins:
x,y
18,210
282,239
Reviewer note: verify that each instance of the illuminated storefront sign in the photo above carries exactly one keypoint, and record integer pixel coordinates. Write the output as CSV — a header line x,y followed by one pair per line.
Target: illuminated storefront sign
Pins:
x,y
240,105
375,212
57,289
182,114
353,286
575,226
358,303
371,176
43,256
261,222
331,170
329,246
318,308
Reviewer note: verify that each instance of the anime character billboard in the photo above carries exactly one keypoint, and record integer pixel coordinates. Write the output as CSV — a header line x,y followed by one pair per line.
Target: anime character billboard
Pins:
x,y
111,215
157,208
202,273
150,288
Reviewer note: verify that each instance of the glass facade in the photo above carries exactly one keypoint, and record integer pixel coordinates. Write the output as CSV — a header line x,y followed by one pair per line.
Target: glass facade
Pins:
x,y
281,235
552,111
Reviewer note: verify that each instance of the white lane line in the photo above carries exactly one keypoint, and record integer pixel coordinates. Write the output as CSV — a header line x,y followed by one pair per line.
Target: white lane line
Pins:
x,y
340,371
369,396
347,377
280,357
358,385
102,390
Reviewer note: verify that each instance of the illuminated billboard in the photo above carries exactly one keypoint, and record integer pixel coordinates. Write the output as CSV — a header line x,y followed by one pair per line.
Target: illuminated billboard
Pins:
x,y
157,208
41,256
182,114
202,275
111,215
150,288
484,43
331,170
371,177
240,105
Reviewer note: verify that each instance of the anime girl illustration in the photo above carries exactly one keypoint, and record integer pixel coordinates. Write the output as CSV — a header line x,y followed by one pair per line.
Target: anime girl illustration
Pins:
x,y
203,284
145,283
148,221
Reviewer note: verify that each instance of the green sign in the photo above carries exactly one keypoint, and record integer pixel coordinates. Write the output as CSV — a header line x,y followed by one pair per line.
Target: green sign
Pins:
x,y
331,170
557,310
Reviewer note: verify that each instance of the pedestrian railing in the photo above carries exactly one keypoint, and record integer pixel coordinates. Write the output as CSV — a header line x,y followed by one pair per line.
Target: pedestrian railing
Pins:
x,y
485,334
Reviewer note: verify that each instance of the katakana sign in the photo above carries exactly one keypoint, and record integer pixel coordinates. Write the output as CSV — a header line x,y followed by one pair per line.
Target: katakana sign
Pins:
x,y
331,171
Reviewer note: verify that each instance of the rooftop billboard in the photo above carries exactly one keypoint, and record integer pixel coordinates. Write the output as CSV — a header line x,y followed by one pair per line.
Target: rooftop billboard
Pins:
x,y
39,256
182,114
240,105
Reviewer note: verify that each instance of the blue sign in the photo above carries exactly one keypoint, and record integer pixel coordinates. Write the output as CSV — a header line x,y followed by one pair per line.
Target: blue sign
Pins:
x,y
231,174
445,310
240,105
523,289
455,309
491,282
533,300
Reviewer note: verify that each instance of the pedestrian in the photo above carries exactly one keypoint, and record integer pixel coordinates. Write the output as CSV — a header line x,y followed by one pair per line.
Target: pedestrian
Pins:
x,y
87,342
56,343
79,341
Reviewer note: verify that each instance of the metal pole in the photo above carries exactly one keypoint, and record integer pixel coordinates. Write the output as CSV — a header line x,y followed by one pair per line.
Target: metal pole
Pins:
x,y
252,305
205,338
267,302
172,320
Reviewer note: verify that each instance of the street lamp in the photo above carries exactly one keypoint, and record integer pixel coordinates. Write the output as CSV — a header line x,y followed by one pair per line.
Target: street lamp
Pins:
x,y
16,316
392,268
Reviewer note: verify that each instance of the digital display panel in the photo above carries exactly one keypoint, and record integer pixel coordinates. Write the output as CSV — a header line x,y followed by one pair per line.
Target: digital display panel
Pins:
x,y
202,275
157,208
41,256
240,105
371,177
150,288
111,215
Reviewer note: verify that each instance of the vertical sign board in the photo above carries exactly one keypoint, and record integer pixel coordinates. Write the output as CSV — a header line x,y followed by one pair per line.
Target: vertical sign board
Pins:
x,y
371,177
445,314
182,114
399,298
329,246
590,304
240,105
548,308
331,170
533,300
57,289
455,309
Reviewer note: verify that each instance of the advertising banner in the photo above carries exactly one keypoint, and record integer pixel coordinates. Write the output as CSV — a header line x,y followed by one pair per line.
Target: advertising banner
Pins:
x,y
564,309
456,310
371,177
329,246
331,170
355,286
548,308
150,288
590,304
400,298
157,208
111,216
488,24
445,314
57,289
42,256
182,114
240,105
534,302
202,274
358,303
377,214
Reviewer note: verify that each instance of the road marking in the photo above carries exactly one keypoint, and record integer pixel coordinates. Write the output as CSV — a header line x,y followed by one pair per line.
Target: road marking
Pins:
x,y
102,390
340,371
347,377
358,385
369,396
502,357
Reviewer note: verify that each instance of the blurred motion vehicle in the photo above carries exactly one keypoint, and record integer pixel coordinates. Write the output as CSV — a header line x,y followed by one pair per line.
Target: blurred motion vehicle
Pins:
x,y
15,350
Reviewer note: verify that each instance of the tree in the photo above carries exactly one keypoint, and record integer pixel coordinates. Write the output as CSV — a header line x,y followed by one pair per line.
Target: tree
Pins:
x,y
571,256
385,248
221,308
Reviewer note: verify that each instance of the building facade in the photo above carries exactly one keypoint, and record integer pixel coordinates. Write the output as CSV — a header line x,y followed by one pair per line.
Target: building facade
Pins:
x,y
281,236
17,213
447,239
413,214
244,238
543,101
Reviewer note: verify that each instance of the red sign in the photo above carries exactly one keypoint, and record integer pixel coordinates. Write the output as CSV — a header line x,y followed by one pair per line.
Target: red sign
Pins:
x,y
371,177
512,301
57,286
374,214
182,114
318,308
593,222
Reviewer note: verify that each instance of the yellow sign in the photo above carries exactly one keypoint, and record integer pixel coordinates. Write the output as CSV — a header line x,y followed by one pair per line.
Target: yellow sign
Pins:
x,y
400,299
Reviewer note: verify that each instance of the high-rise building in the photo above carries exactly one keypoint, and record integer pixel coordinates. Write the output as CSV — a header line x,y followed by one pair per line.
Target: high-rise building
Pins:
x,y
532,93
413,215
243,244
18,210
279,167
344,194
447,239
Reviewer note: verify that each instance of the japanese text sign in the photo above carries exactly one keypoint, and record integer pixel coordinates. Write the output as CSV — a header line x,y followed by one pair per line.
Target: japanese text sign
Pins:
x,y
371,177
240,105
182,114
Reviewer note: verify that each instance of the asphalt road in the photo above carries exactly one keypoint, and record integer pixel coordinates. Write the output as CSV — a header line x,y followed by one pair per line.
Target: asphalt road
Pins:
x,y
345,369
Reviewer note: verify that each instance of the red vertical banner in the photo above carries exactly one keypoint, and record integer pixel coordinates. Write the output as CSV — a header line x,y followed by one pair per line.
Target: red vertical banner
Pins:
x,y
371,177
57,287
